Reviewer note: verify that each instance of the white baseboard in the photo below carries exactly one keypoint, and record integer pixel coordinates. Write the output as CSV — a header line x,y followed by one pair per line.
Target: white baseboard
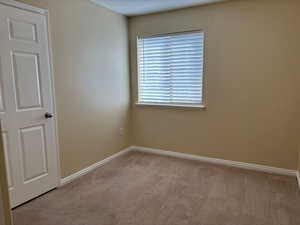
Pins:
x,y
84,171
298,178
249,166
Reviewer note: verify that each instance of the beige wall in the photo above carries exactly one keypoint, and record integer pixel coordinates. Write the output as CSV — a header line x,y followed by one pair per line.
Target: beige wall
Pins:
x,y
91,79
252,69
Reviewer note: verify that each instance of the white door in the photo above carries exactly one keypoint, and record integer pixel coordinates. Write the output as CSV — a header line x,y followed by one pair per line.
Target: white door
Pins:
x,y
26,96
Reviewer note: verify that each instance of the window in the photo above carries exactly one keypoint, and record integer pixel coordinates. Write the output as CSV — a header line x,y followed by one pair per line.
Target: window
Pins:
x,y
171,69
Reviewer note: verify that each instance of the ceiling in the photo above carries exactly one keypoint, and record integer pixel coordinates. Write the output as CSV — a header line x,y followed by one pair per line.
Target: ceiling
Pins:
x,y
140,7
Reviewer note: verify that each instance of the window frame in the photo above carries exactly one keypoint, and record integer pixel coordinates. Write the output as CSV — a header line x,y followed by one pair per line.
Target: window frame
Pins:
x,y
202,105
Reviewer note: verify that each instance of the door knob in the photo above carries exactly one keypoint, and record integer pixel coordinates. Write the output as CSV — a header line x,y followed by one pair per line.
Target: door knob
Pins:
x,y
48,115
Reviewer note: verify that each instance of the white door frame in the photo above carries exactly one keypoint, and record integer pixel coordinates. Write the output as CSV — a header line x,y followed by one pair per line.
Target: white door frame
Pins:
x,y
5,213
44,12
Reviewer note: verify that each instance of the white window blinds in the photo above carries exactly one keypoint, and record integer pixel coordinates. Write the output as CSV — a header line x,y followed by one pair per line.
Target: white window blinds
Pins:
x,y
171,69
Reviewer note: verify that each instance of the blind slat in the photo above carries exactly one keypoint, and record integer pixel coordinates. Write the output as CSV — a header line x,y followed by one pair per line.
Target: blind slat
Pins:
x,y
171,68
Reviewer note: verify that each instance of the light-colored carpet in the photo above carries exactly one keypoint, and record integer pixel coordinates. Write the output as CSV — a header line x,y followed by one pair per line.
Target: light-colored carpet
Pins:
x,y
147,189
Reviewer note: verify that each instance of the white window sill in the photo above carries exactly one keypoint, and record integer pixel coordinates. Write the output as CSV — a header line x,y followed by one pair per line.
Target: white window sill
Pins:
x,y
171,105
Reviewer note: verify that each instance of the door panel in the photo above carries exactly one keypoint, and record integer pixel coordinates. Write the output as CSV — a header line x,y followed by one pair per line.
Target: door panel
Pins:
x,y
33,148
26,96
27,80
23,31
